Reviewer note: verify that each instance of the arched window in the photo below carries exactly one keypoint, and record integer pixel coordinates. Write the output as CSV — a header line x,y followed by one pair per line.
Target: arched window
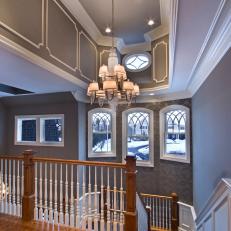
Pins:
x,y
101,133
175,133
138,135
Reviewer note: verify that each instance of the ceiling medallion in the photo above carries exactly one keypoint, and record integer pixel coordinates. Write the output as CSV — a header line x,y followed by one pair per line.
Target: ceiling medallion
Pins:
x,y
112,84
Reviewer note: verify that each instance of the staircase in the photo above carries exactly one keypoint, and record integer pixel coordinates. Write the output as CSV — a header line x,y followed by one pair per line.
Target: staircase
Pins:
x,y
84,195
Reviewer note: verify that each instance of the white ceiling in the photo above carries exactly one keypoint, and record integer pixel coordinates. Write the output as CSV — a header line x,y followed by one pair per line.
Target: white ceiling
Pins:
x,y
130,17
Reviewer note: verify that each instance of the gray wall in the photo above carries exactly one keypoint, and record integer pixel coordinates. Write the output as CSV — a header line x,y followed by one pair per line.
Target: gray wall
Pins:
x,y
211,109
3,137
167,176
60,103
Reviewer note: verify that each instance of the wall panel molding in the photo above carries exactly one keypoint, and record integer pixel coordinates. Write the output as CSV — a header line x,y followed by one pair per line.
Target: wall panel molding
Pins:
x,y
80,56
51,53
24,37
160,46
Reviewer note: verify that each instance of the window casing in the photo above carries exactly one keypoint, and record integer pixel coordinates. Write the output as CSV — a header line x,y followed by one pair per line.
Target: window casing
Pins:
x,y
101,133
138,136
40,130
175,133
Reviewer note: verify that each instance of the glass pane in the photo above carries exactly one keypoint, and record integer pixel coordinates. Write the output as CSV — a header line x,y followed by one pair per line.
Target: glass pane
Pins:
x,y
136,62
138,135
175,140
53,130
28,130
101,129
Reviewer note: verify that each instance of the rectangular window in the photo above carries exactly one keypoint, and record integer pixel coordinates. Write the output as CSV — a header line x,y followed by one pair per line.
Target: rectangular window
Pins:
x,y
51,130
26,129
39,130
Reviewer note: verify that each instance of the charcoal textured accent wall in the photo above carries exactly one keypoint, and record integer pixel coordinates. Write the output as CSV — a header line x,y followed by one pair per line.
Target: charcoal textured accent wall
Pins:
x,y
211,115
59,103
166,176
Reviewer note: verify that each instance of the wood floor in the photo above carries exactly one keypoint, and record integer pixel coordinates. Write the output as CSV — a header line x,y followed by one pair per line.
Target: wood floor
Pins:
x,y
11,223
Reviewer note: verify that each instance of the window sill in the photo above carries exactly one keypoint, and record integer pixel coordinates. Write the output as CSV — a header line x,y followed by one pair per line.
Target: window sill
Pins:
x,y
101,155
170,158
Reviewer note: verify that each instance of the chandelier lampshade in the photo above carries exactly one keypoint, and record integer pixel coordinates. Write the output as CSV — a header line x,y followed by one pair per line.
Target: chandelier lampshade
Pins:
x,y
112,80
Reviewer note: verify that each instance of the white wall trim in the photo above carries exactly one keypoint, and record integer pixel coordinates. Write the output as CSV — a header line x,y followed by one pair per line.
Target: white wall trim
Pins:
x,y
35,59
220,195
216,44
187,217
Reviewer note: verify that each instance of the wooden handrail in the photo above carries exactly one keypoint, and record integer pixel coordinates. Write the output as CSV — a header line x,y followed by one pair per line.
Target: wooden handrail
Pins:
x,y
154,195
80,162
9,157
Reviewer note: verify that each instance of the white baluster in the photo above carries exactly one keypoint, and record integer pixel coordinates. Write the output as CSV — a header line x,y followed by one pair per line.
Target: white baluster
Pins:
x,y
45,195
102,224
66,199
77,199
1,182
108,201
61,196
115,201
84,203
121,201
18,189
36,194
170,214
72,220
10,191
89,221
6,186
56,199
14,192
22,187
50,204
40,192
166,213
95,203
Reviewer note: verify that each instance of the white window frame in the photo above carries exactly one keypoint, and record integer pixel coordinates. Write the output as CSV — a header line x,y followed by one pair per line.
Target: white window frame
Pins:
x,y
39,128
92,154
149,163
130,55
163,154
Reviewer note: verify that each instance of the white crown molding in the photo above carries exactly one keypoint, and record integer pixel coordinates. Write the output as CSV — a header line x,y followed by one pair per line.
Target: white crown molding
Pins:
x,y
222,191
163,96
138,47
216,44
78,11
172,37
33,58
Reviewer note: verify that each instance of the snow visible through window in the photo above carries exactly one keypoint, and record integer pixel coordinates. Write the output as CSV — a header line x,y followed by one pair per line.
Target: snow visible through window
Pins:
x,y
138,135
101,127
175,139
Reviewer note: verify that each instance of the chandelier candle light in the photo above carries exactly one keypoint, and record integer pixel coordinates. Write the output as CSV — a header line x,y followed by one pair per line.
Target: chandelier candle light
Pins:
x,y
112,84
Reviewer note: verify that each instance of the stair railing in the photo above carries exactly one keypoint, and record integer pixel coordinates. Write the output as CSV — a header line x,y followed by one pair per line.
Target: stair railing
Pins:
x,y
70,192
164,211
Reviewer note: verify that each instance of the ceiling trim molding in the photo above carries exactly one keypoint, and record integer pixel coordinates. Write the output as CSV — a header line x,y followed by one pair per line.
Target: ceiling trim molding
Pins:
x,y
165,97
33,58
78,11
172,37
216,44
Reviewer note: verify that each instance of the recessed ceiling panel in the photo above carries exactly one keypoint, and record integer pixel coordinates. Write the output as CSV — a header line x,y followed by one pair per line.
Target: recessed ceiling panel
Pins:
x,y
131,17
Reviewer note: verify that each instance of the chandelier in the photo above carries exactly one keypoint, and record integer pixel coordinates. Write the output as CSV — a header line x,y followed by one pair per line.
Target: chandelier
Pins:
x,y
112,84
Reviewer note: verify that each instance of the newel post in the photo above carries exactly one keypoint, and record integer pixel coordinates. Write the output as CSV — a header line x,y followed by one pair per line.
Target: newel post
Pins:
x,y
175,212
130,213
28,197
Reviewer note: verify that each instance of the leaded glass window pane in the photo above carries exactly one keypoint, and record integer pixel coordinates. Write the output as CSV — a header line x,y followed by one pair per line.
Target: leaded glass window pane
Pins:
x,y
138,135
28,131
101,131
53,130
175,135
